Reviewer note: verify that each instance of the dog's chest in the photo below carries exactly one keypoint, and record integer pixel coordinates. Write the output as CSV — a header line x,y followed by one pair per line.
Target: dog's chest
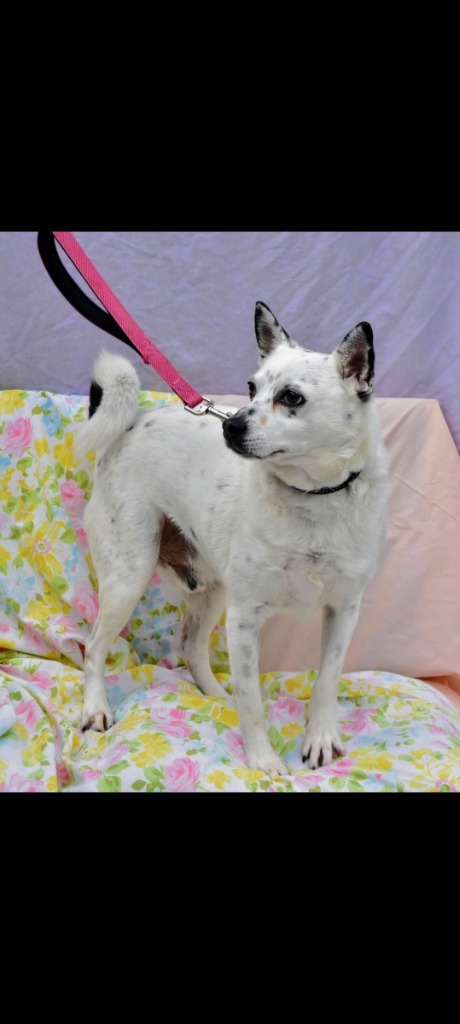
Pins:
x,y
309,578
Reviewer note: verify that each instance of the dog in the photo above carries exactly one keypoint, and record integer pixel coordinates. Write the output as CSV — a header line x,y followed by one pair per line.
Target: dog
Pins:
x,y
280,507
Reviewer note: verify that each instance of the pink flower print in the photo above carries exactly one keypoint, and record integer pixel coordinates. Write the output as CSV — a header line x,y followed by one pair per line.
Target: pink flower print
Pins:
x,y
43,681
29,712
360,721
234,743
62,773
308,781
182,775
19,784
173,722
80,535
4,627
169,687
34,642
286,710
156,578
4,520
340,767
112,755
16,436
165,663
86,601
72,495
90,773
68,622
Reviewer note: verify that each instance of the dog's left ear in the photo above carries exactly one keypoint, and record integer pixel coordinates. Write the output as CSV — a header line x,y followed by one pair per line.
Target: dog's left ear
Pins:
x,y
269,332
355,359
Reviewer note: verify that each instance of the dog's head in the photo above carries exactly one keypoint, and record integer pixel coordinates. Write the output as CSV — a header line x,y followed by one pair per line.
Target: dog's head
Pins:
x,y
302,401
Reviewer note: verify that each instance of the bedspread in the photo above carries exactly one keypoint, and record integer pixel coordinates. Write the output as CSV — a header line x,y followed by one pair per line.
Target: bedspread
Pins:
x,y
399,733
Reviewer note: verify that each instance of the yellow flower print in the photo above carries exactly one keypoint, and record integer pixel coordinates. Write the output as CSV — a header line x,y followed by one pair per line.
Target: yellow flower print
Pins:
x,y
34,752
133,719
420,756
140,672
251,774
218,779
20,730
298,686
4,556
41,446
37,548
367,759
3,767
52,785
450,773
5,478
25,511
291,730
229,716
155,746
65,454
193,701
10,401
38,611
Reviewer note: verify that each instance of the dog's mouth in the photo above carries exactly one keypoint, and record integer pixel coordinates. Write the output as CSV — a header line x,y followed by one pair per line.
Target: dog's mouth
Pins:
x,y
241,450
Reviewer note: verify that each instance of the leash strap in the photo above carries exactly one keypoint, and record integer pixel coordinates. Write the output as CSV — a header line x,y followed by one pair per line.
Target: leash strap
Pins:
x,y
116,321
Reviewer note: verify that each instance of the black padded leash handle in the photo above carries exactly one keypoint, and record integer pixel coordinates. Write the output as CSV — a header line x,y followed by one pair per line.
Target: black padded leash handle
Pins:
x,y
71,291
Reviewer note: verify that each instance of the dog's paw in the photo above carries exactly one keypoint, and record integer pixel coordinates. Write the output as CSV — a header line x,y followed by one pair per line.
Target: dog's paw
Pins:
x,y
265,760
99,719
322,742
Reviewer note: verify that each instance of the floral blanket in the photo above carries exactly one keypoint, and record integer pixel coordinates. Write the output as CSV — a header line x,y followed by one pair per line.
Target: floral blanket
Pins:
x,y
399,733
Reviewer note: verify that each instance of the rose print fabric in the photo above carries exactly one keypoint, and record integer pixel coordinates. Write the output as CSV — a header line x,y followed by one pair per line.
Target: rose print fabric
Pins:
x,y
399,733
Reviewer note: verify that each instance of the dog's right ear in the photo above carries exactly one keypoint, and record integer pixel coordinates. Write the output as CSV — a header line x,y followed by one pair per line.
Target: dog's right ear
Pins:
x,y
269,332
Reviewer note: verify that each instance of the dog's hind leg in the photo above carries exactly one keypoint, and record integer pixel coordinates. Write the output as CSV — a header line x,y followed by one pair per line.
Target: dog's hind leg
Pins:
x,y
203,612
123,577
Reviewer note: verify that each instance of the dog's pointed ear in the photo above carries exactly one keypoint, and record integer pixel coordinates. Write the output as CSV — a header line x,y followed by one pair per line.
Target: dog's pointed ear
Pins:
x,y
269,332
355,359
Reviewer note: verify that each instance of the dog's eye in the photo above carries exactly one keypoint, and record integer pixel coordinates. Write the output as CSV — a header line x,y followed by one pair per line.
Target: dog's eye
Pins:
x,y
291,397
252,389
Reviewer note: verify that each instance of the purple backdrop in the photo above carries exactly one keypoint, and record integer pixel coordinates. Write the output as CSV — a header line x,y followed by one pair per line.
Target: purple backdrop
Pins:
x,y
194,293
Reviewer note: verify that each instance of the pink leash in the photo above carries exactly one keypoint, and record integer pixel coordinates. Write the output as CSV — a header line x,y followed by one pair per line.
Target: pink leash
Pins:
x,y
193,401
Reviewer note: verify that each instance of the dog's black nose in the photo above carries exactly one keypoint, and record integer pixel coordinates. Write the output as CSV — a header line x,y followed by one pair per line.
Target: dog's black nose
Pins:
x,y
235,426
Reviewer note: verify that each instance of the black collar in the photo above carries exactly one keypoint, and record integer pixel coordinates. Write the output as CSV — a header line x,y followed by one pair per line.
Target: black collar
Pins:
x,y
330,490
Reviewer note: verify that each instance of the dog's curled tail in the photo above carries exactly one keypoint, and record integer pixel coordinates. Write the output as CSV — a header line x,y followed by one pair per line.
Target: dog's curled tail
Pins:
x,y
114,403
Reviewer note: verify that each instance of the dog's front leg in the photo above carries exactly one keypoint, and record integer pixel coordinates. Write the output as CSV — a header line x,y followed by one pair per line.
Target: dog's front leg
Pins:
x,y
243,648
322,740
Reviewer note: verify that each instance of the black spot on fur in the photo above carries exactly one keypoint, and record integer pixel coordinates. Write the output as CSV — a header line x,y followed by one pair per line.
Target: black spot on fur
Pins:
x,y
293,412
192,531
112,520
149,423
129,428
251,412
95,397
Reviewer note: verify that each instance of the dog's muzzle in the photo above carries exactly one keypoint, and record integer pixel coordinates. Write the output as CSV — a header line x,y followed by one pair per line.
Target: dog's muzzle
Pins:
x,y
235,429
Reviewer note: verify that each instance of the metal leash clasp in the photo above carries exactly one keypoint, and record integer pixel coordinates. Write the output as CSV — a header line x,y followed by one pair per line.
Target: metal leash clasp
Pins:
x,y
207,405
